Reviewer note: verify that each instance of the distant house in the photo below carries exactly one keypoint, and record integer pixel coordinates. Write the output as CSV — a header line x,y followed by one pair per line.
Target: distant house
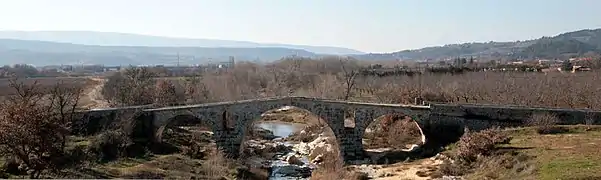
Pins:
x,y
544,62
580,68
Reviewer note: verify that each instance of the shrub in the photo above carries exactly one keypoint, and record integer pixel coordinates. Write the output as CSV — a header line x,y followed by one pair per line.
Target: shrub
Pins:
x,y
332,167
474,144
34,125
455,168
216,166
470,149
109,145
545,123
134,86
197,148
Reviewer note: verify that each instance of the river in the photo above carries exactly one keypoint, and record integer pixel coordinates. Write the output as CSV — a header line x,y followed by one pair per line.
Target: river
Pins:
x,y
280,129
279,164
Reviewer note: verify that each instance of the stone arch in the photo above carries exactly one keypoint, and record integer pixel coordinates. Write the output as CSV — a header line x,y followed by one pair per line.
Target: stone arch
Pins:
x,y
392,135
248,115
369,115
183,118
183,131
309,115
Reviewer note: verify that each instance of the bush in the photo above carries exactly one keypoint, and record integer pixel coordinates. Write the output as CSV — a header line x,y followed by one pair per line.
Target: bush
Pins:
x,y
455,168
109,145
197,148
12,166
470,149
474,144
34,125
333,167
216,166
545,123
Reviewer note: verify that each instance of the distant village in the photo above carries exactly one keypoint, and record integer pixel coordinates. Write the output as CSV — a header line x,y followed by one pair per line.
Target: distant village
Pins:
x,y
577,64
449,65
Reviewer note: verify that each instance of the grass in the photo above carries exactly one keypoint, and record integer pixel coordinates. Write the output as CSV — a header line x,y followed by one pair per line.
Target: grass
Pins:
x,y
571,155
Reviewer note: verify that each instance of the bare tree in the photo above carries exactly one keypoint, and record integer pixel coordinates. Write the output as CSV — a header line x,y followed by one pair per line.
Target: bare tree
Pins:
x,y
134,86
166,94
349,74
34,125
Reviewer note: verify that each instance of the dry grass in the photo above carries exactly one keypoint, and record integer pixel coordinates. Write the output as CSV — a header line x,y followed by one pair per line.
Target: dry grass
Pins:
x,y
217,166
573,155
530,155
45,83
333,168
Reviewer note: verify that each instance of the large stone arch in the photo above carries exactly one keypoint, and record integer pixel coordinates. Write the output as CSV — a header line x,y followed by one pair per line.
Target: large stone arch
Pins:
x,y
245,114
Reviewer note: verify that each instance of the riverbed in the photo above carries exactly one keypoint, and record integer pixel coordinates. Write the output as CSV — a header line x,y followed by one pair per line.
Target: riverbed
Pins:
x,y
281,169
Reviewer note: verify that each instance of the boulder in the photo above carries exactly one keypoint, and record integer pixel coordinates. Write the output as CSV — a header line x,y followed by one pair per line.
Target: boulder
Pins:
x,y
292,159
302,148
292,171
262,133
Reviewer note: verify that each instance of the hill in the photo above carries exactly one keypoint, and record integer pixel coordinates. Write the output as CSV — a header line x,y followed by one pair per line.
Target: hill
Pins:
x,y
53,53
560,46
123,39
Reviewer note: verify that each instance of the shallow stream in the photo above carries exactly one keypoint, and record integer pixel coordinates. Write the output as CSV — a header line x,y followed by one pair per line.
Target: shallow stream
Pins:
x,y
281,169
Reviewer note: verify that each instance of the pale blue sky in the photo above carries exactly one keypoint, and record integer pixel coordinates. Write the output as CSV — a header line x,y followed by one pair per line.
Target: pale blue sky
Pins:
x,y
367,25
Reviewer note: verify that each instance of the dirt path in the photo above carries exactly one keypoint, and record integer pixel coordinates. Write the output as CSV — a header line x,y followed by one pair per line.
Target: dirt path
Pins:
x,y
92,96
416,170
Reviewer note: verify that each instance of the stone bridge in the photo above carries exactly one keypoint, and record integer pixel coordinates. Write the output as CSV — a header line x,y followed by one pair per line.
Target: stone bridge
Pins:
x,y
229,120
440,123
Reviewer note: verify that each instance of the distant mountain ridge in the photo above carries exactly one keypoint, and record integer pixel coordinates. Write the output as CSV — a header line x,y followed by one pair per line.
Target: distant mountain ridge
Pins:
x,y
559,46
149,50
52,53
125,39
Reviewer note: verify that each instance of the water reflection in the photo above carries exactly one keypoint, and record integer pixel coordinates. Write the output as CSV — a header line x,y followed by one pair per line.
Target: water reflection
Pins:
x,y
280,129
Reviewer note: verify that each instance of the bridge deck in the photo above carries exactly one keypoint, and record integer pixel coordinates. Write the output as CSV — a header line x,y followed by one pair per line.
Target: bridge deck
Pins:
x,y
293,98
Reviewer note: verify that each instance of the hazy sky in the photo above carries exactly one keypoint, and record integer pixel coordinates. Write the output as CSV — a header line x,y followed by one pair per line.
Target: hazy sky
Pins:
x,y
367,25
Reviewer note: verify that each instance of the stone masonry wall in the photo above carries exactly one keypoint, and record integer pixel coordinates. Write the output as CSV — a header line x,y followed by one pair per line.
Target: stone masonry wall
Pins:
x,y
484,116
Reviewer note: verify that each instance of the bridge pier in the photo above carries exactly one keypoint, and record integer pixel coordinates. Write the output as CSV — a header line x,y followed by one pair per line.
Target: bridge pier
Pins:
x,y
351,145
229,142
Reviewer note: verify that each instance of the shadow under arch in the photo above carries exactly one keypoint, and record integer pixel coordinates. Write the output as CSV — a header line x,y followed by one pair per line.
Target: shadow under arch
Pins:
x,y
183,130
394,137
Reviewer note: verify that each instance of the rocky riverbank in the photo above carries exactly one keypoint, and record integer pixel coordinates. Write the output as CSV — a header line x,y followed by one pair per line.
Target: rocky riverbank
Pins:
x,y
289,158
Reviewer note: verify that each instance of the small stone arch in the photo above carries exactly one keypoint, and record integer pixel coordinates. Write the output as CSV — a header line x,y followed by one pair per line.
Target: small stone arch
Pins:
x,y
366,116
385,123
183,118
381,131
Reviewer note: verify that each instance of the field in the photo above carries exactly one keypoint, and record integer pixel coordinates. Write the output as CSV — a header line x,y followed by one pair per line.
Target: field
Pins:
x,y
44,83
